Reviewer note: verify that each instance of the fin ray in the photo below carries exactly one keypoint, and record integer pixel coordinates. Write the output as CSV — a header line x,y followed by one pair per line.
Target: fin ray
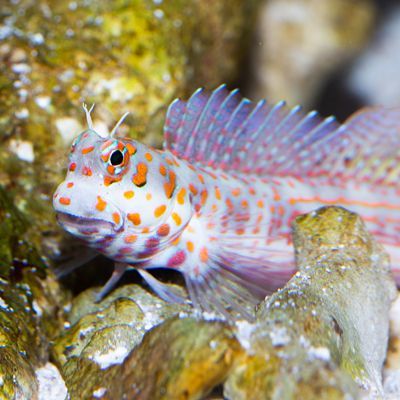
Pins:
x,y
224,131
161,289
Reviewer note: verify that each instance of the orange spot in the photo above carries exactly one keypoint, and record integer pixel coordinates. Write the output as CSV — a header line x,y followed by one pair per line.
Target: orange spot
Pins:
x,y
203,199
229,203
140,178
252,191
281,210
240,231
245,203
201,178
169,161
169,187
191,167
116,218
87,150
130,239
129,194
110,169
176,218
72,166
292,201
70,184
146,230
163,230
101,204
277,196
214,207
217,193
210,225
131,148
181,196
134,218
204,254
193,189
163,170
108,180
65,200
160,211
260,204
148,157
86,171
190,246
236,192
176,241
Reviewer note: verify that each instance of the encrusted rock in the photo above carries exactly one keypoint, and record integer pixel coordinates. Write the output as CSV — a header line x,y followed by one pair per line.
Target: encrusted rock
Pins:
x,y
29,305
328,324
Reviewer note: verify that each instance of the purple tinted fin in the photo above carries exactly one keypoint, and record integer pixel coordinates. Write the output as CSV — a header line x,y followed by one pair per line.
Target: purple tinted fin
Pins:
x,y
224,131
220,292
161,289
119,270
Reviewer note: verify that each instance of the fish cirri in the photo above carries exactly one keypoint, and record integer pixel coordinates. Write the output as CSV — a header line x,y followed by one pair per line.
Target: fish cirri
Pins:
x,y
216,204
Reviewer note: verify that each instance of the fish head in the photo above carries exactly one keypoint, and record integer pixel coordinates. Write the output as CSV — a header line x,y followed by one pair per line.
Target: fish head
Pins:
x,y
114,187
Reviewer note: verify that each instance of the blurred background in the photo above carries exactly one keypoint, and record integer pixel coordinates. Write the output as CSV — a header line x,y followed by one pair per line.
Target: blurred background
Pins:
x,y
138,55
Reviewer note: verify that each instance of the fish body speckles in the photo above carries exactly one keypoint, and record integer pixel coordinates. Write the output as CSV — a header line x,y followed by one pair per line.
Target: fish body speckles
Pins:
x,y
217,203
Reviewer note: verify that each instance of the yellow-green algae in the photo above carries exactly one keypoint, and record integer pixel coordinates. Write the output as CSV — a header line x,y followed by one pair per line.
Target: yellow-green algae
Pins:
x,y
30,303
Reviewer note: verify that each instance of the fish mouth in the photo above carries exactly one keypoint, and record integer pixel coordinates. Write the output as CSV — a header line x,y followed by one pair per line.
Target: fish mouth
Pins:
x,y
79,223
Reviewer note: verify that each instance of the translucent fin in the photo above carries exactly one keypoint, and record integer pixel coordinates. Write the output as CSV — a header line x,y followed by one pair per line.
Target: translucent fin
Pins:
x,y
223,130
85,255
161,289
119,270
220,292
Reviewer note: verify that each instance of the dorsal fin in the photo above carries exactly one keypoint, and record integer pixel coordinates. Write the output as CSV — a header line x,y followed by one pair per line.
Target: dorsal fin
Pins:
x,y
223,130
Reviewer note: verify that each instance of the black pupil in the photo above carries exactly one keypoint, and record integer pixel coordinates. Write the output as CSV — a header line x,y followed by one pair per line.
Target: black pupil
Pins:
x,y
116,158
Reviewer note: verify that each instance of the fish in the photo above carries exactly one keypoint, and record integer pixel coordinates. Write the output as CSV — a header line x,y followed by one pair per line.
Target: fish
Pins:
x,y
217,202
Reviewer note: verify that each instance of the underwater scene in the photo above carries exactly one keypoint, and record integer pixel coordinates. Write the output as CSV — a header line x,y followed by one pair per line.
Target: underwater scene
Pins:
x,y
199,199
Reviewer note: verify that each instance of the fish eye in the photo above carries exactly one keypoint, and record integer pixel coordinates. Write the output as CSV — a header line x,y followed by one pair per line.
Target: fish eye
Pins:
x,y
116,158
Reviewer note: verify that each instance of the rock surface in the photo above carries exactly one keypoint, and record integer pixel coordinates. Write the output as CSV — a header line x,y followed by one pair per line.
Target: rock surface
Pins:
x,y
30,302
328,324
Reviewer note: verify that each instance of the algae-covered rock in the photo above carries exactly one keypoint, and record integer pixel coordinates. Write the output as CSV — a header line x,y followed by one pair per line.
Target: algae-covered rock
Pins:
x,y
29,305
328,324
119,321
183,358
301,42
